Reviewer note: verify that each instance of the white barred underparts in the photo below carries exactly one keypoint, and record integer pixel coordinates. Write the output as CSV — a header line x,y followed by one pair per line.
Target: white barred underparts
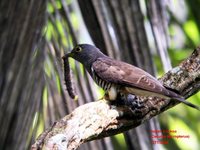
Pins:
x,y
103,84
107,86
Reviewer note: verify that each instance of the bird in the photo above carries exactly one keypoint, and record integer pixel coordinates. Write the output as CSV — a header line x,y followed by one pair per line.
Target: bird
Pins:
x,y
118,77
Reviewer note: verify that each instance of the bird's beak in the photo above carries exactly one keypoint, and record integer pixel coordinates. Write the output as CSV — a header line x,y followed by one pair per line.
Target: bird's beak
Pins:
x,y
67,55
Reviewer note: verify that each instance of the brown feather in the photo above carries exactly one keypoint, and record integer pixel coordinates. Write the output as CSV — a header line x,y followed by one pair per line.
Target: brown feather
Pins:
x,y
127,75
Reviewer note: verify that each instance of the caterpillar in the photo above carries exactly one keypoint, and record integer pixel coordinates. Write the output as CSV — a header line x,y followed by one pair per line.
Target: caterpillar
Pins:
x,y
68,79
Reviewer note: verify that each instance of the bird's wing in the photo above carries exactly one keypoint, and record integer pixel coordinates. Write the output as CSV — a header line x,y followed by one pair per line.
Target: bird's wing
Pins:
x,y
127,75
130,76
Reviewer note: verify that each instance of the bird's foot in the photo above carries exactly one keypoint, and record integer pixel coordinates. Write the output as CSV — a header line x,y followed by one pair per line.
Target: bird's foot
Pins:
x,y
104,97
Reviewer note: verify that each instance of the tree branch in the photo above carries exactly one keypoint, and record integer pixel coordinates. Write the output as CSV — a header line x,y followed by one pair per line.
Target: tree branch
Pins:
x,y
101,118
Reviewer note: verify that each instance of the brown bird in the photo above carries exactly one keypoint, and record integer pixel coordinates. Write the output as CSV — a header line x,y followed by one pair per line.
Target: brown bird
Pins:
x,y
117,77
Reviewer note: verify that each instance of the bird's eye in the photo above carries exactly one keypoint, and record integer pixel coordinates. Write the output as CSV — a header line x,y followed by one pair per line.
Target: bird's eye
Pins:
x,y
78,49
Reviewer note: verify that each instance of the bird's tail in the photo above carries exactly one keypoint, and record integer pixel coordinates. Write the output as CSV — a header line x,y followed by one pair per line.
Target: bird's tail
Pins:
x,y
183,100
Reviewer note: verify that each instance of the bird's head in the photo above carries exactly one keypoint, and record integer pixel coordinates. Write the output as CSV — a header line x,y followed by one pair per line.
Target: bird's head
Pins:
x,y
85,53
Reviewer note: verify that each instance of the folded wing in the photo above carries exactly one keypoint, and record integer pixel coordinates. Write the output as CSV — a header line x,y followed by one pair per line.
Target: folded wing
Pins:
x,y
128,75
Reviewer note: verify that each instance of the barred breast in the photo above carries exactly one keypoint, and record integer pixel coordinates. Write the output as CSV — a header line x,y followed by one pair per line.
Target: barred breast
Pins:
x,y
109,88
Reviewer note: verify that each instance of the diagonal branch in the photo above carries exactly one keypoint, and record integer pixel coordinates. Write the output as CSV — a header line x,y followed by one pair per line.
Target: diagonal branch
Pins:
x,y
101,118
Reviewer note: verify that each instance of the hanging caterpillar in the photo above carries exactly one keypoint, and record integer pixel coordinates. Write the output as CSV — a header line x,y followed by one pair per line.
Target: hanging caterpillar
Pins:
x,y
67,78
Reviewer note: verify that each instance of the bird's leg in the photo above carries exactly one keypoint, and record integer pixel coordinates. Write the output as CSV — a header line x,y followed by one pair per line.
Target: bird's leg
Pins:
x,y
130,101
106,96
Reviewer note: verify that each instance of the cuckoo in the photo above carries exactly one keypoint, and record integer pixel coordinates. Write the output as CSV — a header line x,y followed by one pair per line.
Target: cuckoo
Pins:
x,y
117,77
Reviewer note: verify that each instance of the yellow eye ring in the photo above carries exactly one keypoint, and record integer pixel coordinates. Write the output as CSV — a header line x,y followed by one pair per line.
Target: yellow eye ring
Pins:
x,y
78,48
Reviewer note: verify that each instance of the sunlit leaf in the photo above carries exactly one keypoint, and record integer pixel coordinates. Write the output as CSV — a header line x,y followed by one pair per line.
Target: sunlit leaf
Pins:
x,y
58,83
58,4
50,8
183,130
191,29
48,31
45,97
120,143
74,20
47,67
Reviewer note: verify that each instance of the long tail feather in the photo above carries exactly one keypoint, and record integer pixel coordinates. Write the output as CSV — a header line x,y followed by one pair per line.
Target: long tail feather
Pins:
x,y
182,100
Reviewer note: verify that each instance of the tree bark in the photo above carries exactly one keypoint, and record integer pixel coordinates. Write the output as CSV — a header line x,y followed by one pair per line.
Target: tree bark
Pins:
x,y
100,119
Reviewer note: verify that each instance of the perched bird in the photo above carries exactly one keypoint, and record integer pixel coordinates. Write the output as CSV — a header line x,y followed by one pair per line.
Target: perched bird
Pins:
x,y
119,77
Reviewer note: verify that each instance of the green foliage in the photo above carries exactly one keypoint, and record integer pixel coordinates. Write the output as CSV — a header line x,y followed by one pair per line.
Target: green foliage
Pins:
x,y
179,55
119,142
191,31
